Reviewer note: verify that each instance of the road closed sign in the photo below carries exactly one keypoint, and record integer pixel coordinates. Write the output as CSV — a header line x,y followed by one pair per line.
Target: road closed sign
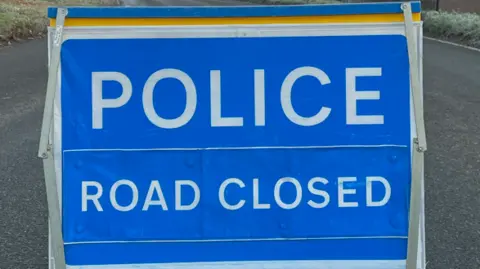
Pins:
x,y
235,137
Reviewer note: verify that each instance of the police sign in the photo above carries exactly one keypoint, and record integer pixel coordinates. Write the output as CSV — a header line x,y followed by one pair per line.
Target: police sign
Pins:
x,y
256,137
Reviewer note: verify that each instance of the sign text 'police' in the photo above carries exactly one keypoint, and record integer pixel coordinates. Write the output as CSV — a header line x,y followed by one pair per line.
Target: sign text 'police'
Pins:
x,y
99,103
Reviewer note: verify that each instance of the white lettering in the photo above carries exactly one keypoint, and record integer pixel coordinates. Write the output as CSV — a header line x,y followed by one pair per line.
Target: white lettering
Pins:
x,y
298,188
388,191
324,194
191,100
256,197
92,197
92,191
113,198
98,103
155,188
342,191
353,96
178,195
221,194
259,89
216,104
286,96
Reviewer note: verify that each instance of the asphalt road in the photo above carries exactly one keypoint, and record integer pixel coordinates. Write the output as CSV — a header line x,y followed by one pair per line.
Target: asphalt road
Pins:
x,y
452,104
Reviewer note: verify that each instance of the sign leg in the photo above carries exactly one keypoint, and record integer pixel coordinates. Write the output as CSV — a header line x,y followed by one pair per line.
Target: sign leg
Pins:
x,y
54,64
45,150
58,252
415,77
419,143
415,209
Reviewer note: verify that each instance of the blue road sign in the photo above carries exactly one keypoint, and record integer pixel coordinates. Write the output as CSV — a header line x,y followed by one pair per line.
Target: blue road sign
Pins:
x,y
236,149
230,149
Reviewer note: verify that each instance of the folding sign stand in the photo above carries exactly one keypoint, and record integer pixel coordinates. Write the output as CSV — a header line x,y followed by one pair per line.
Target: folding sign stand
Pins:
x,y
46,148
419,143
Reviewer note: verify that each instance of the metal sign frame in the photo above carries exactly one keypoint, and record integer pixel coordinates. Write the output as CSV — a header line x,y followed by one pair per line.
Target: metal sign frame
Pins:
x,y
420,142
413,33
46,149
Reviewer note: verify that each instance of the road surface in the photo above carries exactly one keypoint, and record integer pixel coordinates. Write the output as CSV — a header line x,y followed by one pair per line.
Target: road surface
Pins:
x,y
452,104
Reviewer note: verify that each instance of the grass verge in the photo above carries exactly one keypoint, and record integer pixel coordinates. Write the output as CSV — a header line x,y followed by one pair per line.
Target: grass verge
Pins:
x,y
462,28
21,19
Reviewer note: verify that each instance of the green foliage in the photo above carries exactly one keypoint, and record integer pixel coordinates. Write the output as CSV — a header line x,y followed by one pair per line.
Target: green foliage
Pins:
x,y
462,27
21,19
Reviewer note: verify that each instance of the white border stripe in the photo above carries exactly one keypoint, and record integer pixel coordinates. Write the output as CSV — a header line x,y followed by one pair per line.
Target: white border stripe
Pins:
x,y
295,264
237,240
243,148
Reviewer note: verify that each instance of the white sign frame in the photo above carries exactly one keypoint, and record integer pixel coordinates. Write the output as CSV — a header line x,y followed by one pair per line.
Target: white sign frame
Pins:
x,y
250,30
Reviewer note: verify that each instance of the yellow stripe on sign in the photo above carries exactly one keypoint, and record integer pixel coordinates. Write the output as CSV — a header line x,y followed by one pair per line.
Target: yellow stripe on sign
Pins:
x,y
367,18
